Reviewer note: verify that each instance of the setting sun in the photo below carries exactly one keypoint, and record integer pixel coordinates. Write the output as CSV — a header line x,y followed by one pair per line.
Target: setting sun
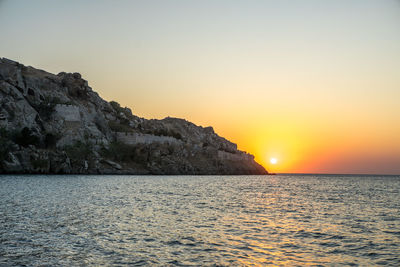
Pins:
x,y
273,161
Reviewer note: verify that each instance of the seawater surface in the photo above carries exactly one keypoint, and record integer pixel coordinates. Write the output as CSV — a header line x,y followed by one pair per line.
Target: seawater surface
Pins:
x,y
299,220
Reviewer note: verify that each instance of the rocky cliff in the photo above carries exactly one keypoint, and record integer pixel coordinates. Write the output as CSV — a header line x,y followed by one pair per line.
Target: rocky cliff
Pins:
x,y
58,124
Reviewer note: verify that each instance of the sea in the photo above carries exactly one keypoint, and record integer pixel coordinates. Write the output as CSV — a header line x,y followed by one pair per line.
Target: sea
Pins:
x,y
278,220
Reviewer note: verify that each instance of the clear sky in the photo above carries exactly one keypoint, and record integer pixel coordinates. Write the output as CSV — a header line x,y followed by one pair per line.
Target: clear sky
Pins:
x,y
314,84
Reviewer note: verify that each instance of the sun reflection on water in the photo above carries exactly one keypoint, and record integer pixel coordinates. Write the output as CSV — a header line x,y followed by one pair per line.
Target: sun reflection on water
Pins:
x,y
228,221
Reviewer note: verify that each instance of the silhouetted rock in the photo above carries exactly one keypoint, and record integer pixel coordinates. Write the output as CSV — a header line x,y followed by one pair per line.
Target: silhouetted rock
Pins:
x,y
58,124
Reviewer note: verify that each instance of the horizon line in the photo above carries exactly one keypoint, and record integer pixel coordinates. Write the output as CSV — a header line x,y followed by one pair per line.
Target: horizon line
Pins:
x,y
310,173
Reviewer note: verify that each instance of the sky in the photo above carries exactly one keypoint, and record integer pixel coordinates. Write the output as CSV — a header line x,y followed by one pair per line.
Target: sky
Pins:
x,y
314,84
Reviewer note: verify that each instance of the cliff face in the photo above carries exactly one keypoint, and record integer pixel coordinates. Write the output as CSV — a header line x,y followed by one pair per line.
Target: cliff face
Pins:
x,y
58,124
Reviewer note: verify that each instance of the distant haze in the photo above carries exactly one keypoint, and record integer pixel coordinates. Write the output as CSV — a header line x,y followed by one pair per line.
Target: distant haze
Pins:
x,y
314,84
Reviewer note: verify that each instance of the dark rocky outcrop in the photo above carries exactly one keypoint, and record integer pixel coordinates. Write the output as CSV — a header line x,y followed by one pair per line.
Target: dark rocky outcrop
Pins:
x,y
58,124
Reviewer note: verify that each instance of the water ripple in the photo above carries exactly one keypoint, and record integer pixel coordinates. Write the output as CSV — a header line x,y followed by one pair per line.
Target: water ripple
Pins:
x,y
191,221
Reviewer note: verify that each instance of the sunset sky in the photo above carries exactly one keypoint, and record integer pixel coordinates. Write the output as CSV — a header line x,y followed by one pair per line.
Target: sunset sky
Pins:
x,y
314,84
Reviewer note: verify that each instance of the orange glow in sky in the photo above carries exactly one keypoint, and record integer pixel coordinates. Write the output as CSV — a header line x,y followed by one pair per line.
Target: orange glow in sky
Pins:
x,y
314,84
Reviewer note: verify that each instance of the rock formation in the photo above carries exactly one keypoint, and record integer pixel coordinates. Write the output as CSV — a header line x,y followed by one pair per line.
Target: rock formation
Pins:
x,y
58,124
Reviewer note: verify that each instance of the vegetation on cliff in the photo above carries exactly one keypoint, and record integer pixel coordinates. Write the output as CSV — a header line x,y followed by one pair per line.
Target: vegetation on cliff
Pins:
x,y
58,124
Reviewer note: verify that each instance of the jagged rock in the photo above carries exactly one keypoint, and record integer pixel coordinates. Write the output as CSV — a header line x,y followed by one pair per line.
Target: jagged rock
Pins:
x,y
13,166
113,164
58,124
59,163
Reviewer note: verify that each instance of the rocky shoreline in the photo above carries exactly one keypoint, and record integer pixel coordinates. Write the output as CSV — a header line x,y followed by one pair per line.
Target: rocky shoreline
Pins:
x,y
56,124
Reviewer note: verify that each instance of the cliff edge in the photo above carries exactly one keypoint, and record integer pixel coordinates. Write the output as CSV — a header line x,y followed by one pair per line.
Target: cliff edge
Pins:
x,y
55,124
